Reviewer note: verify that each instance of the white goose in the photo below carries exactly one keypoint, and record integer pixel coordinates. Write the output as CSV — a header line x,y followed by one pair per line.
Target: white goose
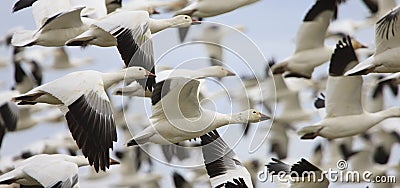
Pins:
x,y
385,58
209,8
82,97
343,101
310,48
132,38
177,115
302,168
55,23
223,166
58,170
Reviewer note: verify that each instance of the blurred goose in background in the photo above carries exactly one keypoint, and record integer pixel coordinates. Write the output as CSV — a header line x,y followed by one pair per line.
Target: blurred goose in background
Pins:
x,y
385,58
82,98
292,111
180,181
8,113
310,48
182,95
343,100
211,36
278,139
298,173
58,170
223,166
208,8
383,140
63,61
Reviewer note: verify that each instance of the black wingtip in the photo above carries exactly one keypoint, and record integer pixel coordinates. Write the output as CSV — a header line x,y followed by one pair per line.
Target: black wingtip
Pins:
x,y
342,57
319,7
303,166
179,180
132,142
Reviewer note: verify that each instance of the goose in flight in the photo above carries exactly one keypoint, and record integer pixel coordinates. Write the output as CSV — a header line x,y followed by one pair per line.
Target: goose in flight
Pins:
x,y
82,98
131,32
177,114
57,170
386,56
310,48
55,23
343,101
223,166
209,8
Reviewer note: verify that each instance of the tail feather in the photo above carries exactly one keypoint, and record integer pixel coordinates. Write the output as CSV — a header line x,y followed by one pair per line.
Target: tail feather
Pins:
x,y
309,132
28,99
95,36
23,38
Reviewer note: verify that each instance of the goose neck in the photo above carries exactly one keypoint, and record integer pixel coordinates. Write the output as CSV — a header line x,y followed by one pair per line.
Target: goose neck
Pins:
x,y
157,25
111,78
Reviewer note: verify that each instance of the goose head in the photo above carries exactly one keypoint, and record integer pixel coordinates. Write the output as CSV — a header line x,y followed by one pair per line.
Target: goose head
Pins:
x,y
183,21
136,72
254,116
217,71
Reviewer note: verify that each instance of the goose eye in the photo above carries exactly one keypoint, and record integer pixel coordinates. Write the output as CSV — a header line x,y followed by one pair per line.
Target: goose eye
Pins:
x,y
254,112
186,17
140,69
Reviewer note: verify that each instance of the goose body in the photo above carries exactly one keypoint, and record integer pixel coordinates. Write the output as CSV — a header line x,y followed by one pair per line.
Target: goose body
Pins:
x,y
343,101
310,48
209,8
46,170
84,101
181,95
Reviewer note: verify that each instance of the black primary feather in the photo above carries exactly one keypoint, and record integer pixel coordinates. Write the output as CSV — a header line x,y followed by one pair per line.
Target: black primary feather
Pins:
x,y
21,4
302,167
386,26
319,7
342,57
277,166
372,5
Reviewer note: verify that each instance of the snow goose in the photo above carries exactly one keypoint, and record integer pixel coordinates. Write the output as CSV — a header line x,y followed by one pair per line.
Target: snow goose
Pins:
x,y
223,166
134,89
310,49
385,58
132,38
292,111
63,61
209,8
278,139
58,170
86,107
185,119
298,173
211,36
343,101
56,23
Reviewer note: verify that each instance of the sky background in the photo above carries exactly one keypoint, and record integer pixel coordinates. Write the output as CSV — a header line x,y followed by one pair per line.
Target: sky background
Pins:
x,y
270,31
